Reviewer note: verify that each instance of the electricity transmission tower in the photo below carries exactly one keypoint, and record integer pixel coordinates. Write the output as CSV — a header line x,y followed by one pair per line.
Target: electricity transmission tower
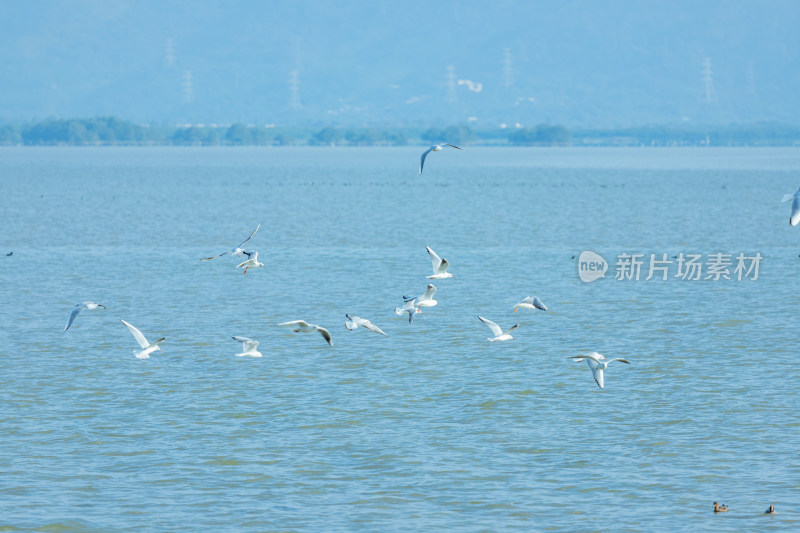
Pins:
x,y
508,71
294,91
169,54
451,85
188,91
709,95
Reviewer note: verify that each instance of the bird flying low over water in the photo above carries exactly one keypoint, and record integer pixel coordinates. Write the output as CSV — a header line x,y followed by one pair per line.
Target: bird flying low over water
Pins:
x,y
794,218
78,308
531,303
499,334
353,322
440,265
251,262
434,148
413,305
238,251
147,347
248,347
409,306
301,326
426,299
597,362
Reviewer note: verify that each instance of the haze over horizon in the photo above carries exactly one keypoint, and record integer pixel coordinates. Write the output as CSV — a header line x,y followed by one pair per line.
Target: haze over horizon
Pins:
x,y
576,63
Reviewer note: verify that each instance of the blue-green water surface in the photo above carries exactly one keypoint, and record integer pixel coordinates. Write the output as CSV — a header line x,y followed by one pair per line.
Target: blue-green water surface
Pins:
x,y
432,428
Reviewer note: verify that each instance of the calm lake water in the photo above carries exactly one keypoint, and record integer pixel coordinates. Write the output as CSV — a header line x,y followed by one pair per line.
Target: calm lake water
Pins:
x,y
432,427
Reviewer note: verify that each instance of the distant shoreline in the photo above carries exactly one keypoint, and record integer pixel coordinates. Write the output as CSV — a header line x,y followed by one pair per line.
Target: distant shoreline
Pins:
x,y
113,131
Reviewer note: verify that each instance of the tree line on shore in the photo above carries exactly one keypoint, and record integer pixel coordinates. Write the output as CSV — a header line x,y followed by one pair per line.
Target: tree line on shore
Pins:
x,y
116,131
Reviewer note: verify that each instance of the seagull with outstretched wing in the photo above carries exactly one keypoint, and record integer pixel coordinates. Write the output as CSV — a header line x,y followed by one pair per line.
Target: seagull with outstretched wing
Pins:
x,y
301,326
78,308
440,265
499,334
434,148
597,362
237,251
248,347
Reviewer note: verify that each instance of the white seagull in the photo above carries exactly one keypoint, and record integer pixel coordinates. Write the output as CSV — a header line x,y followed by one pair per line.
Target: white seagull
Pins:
x,y
409,306
147,348
531,303
251,262
78,308
236,251
794,218
353,322
499,334
434,148
301,326
440,265
597,362
248,347
426,300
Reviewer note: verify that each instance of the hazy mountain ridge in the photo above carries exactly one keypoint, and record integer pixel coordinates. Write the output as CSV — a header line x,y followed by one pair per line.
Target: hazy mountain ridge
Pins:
x,y
380,63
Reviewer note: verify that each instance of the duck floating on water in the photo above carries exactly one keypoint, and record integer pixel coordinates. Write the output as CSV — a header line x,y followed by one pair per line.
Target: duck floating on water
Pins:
x,y
720,508
770,510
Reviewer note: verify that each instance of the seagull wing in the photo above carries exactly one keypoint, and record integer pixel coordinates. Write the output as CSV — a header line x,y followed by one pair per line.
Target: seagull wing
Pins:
x,y
538,304
250,237
429,293
597,373
372,327
137,335
795,217
621,360
494,327
154,345
325,334
231,251
214,257
512,328
75,310
435,260
422,158
301,323
248,345
452,146
593,356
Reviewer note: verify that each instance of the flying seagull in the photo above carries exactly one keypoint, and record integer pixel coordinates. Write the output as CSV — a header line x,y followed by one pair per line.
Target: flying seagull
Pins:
x,y
251,262
147,348
301,326
794,218
78,308
434,148
440,265
353,322
597,362
531,303
409,306
248,347
238,251
499,334
426,300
